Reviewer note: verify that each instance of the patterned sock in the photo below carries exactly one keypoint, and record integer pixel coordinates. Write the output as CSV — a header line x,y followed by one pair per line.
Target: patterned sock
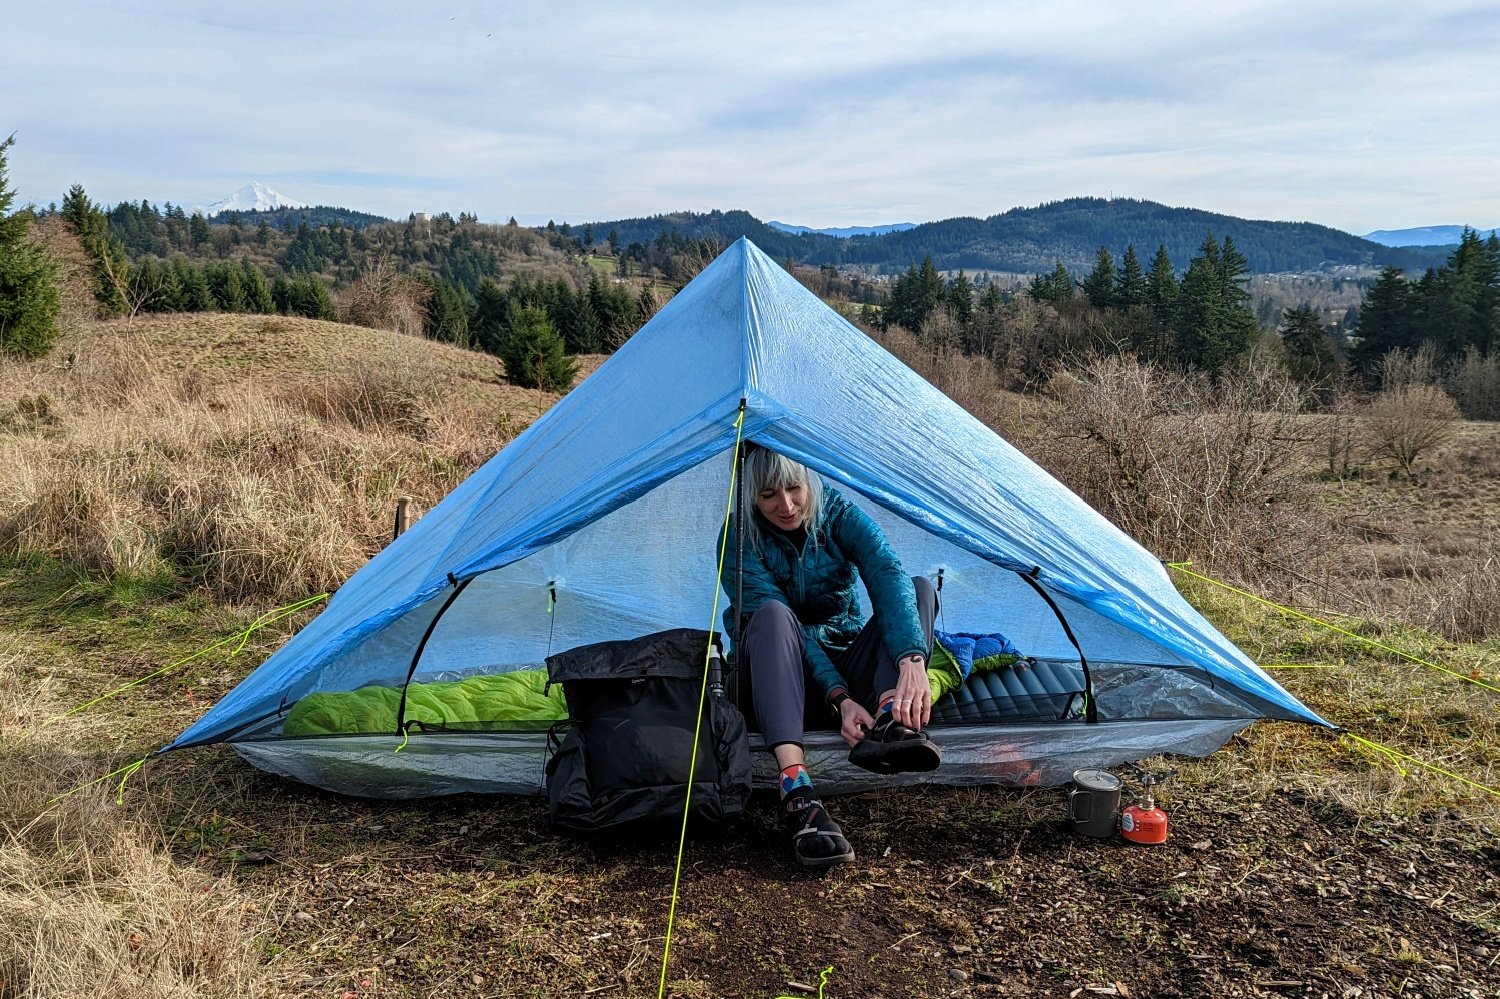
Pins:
x,y
885,705
795,778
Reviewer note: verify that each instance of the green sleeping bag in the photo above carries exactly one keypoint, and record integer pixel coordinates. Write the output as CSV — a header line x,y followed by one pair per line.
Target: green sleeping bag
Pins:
x,y
478,702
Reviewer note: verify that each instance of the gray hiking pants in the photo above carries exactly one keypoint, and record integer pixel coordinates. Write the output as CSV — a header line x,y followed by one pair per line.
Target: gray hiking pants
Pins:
x,y
778,678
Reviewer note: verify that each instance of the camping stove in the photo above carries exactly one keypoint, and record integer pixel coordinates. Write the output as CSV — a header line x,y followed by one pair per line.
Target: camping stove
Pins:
x,y
1143,822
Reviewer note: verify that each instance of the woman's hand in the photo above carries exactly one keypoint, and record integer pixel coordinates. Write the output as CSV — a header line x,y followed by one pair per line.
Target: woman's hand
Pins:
x,y
855,721
913,707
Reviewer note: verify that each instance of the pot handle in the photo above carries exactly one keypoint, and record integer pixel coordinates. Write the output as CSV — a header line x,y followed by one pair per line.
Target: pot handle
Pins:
x,y
1073,805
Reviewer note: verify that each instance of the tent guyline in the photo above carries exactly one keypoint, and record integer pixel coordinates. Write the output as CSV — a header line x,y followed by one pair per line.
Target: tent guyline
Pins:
x,y
1381,751
1397,758
1182,567
735,468
240,637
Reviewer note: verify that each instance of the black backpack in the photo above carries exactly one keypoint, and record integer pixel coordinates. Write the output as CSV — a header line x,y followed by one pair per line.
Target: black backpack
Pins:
x,y
623,764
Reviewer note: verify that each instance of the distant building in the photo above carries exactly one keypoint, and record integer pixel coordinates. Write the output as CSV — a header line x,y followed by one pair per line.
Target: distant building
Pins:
x,y
421,216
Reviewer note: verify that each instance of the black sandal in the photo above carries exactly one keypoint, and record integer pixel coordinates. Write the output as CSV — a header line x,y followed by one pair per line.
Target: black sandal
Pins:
x,y
892,748
817,840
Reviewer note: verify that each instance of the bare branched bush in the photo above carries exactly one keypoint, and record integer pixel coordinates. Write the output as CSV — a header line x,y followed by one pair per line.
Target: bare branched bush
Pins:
x,y
75,273
1474,382
1190,468
386,299
972,382
1408,420
1400,369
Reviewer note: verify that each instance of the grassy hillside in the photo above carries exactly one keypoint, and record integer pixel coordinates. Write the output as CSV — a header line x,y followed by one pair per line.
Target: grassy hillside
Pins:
x,y
166,483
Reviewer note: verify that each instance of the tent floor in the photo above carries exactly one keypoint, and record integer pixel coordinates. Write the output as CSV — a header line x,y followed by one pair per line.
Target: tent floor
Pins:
x,y
437,763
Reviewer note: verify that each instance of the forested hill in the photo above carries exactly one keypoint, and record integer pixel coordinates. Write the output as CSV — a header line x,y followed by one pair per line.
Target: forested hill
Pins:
x,y
1034,240
315,216
721,227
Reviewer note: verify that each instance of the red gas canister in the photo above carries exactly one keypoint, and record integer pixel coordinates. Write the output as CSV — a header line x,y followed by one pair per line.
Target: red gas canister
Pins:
x,y
1143,822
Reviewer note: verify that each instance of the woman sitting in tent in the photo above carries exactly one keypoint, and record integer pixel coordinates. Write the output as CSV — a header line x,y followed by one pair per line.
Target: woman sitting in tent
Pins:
x,y
805,547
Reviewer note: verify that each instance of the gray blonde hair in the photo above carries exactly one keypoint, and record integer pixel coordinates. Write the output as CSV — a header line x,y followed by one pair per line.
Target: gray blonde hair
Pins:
x,y
765,469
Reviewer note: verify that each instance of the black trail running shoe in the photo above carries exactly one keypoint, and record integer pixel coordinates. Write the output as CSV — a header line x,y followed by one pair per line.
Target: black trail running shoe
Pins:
x,y
891,748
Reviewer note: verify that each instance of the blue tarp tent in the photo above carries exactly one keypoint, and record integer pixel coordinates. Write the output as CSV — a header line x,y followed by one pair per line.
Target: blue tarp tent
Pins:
x,y
600,522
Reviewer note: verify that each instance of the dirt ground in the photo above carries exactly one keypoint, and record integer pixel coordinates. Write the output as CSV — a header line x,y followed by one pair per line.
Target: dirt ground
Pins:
x,y
954,892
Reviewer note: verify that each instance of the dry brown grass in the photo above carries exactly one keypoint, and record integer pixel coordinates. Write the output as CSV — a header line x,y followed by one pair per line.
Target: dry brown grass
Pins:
x,y
141,458
91,902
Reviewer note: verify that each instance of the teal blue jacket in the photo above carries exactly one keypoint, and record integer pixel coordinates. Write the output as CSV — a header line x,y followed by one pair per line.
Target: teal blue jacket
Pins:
x,y
819,583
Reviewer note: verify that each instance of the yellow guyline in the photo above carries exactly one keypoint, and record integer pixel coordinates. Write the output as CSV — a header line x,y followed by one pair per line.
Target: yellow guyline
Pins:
x,y
269,617
734,465
241,637
822,983
1396,758
1182,567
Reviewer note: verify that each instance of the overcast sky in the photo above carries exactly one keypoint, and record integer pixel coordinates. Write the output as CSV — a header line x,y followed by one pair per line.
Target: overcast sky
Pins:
x,y
1356,115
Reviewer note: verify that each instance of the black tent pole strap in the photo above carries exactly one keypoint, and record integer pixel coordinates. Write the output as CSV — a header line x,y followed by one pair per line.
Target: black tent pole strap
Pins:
x,y
1090,713
417,655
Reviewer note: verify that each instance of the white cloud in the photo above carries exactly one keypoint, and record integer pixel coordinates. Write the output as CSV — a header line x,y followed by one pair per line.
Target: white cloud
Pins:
x,y
831,114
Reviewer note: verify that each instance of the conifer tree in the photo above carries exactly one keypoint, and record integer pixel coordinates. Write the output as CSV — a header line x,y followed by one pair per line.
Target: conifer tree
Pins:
x,y
147,278
960,297
618,313
227,283
1310,356
1099,286
448,312
173,295
199,296
581,327
991,299
106,255
281,294
1130,285
29,294
930,290
312,298
257,290
1161,285
533,352
1054,288
1387,322
1213,322
491,317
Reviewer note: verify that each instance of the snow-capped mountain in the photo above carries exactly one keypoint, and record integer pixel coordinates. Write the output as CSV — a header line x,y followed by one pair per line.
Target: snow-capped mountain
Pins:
x,y
253,197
